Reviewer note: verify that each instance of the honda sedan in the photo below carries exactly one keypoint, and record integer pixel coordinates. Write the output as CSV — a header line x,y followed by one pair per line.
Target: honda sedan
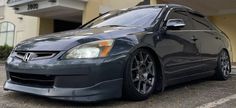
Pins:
x,y
129,53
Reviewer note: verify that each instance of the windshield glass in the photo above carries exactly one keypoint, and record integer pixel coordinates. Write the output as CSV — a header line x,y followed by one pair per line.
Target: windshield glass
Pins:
x,y
143,17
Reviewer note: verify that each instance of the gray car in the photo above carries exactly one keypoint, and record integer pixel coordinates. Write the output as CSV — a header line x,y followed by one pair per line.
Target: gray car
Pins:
x,y
131,53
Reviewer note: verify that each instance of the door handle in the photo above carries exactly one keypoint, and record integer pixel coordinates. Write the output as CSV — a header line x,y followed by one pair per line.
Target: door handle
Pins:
x,y
218,38
194,38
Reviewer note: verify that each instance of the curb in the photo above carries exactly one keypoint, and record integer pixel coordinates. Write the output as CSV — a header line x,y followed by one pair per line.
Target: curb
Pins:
x,y
2,62
233,72
233,67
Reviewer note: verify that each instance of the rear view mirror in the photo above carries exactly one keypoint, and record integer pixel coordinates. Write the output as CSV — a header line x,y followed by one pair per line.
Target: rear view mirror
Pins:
x,y
175,23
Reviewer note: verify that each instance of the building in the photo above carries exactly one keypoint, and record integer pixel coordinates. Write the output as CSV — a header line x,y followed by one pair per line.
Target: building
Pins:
x,y
29,18
15,28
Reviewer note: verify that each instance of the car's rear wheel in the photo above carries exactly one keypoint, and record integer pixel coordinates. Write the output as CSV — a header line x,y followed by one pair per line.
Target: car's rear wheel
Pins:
x,y
223,66
140,77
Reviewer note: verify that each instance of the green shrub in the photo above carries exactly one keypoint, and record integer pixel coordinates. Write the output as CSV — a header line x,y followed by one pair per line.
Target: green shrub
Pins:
x,y
5,52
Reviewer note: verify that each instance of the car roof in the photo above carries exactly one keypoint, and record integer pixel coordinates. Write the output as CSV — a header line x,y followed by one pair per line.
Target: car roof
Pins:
x,y
162,5
170,6
177,6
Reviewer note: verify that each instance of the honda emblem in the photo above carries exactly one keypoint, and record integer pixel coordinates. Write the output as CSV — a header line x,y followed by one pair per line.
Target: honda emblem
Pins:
x,y
27,57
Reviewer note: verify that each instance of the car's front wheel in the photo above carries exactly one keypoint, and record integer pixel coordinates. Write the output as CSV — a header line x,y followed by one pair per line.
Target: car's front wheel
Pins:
x,y
223,66
140,76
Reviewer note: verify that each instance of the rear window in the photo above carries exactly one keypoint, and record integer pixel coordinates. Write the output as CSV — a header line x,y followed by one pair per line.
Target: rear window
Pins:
x,y
200,22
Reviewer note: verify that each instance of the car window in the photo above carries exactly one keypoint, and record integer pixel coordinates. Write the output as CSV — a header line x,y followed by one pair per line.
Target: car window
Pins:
x,y
200,22
180,14
141,17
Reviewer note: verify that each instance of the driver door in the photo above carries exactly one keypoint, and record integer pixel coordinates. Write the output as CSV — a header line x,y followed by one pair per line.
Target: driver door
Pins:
x,y
180,48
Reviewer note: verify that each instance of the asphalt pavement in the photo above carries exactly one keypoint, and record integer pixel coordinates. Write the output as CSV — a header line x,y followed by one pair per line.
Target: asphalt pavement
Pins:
x,y
204,93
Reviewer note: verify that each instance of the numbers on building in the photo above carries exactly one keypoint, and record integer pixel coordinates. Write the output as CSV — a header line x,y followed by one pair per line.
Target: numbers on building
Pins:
x,y
33,6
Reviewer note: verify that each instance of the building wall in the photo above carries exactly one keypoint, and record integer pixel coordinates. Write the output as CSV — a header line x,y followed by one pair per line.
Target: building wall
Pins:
x,y
25,26
153,2
46,26
95,7
227,24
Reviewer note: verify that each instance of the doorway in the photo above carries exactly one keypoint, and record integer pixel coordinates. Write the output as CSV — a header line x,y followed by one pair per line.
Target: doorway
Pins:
x,y
60,25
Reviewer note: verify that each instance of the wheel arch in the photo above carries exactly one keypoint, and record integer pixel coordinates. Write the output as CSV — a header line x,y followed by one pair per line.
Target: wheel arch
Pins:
x,y
229,53
219,73
160,71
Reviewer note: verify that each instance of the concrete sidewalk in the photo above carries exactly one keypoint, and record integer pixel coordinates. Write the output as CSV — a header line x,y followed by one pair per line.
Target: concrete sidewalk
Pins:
x,y
2,62
233,66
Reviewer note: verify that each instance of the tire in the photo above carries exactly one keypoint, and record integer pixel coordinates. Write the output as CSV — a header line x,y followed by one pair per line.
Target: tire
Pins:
x,y
140,77
223,66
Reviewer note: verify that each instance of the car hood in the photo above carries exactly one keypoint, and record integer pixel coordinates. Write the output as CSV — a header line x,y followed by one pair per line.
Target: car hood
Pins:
x,y
66,40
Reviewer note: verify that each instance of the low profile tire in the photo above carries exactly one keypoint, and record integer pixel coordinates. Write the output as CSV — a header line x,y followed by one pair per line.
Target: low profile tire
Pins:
x,y
140,77
223,66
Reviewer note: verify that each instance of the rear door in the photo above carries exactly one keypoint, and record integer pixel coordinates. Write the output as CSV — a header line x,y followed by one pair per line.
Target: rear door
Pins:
x,y
209,40
181,53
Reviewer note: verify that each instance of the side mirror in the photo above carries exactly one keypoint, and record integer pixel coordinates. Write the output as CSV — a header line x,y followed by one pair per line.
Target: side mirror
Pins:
x,y
175,24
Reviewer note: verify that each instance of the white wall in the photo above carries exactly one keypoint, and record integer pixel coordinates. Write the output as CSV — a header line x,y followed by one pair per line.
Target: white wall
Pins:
x,y
25,26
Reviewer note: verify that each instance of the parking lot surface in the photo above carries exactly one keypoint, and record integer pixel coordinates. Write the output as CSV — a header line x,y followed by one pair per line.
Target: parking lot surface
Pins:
x,y
205,93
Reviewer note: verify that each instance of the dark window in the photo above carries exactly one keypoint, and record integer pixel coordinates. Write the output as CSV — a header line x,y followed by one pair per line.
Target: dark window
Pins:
x,y
200,22
214,27
60,25
181,14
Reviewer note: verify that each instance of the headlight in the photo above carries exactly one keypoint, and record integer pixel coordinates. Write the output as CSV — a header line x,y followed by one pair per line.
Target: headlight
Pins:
x,y
90,50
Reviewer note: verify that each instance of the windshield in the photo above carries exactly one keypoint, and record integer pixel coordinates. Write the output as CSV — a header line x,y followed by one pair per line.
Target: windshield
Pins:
x,y
143,17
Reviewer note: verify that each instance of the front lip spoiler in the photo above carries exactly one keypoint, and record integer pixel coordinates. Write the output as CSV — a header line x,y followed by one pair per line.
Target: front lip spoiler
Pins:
x,y
101,91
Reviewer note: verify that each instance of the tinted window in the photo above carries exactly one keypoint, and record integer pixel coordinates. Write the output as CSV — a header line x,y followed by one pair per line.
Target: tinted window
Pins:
x,y
200,22
143,17
180,14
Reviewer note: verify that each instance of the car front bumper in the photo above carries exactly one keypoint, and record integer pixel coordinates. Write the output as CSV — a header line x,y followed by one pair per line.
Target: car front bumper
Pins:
x,y
102,91
84,80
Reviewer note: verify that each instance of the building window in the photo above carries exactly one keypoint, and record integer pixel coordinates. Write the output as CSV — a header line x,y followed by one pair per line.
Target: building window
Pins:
x,y
7,32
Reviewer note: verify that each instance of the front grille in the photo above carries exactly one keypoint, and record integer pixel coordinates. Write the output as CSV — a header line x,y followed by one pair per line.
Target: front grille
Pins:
x,y
32,79
36,55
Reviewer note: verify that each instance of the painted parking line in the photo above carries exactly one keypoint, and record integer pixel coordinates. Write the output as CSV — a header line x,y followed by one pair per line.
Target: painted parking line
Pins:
x,y
218,102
